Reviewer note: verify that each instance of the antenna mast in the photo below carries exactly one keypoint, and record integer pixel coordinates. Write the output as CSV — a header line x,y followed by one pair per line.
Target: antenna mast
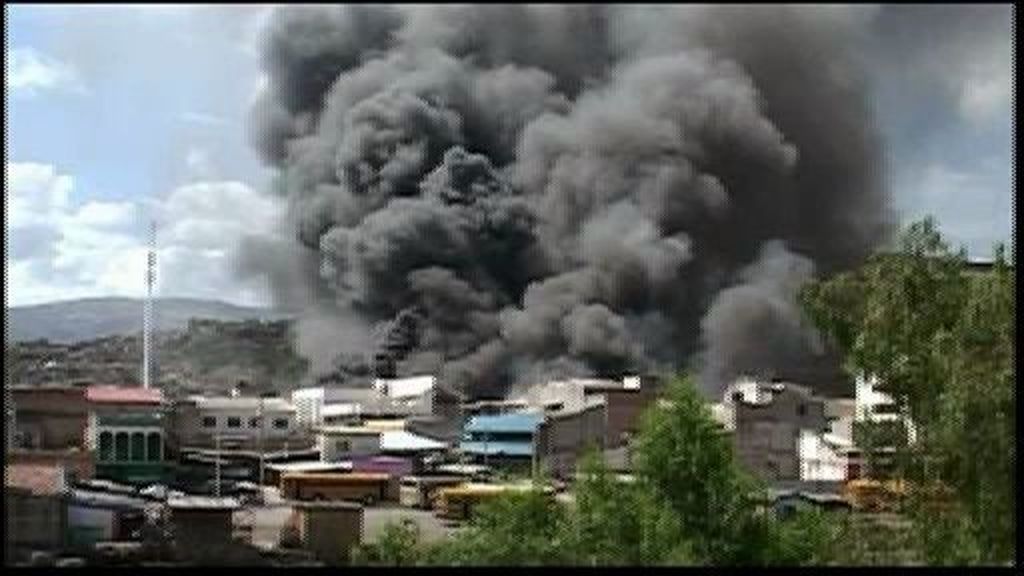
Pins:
x,y
147,309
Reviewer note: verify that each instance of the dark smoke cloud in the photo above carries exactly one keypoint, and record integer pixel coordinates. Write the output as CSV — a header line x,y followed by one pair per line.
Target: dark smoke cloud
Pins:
x,y
566,190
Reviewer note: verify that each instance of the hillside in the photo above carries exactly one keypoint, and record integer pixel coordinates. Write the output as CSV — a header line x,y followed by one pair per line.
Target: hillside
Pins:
x,y
207,355
88,319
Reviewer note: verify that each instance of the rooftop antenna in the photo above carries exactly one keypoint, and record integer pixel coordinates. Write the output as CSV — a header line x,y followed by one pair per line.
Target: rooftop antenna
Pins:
x,y
147,307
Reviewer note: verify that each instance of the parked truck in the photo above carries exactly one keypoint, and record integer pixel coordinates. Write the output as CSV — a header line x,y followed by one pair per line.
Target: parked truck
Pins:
x,y
420,491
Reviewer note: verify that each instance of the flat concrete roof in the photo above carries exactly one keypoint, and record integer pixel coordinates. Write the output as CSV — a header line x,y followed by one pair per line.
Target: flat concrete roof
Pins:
x,y
349,430
202,503
329,505
316,466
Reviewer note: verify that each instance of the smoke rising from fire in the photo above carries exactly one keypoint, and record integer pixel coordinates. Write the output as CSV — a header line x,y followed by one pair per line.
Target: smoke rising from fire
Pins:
x,y
563,190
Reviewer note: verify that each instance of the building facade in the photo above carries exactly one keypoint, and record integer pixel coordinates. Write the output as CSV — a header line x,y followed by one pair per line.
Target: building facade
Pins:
x,y
35,516
768,431
238,422
328,529
127,432
343,443
824,457
427,408
77,463
49,417
501,438
96,516
607,426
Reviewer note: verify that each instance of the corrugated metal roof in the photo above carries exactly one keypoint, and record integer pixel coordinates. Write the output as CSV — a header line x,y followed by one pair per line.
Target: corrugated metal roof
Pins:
x,y
348,430
402,441
520,422
464,469
497,448
105,394
339,409
404,387
203,503
389,425
309,466
99,499
228,403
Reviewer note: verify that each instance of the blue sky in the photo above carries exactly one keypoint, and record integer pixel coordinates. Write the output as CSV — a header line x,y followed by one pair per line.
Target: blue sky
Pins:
x,y
117,112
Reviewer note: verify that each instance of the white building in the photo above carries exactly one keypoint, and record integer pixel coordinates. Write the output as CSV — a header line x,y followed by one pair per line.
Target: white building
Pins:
x,y
823,457
203,421
341,443
572,395
876,406
396,397
743,389
818,454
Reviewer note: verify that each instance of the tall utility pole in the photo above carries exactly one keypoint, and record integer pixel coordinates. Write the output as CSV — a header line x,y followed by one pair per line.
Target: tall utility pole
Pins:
x,y
260,417
147,307
216,485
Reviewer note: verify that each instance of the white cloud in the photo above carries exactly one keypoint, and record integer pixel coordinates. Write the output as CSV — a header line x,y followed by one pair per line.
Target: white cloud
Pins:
x,y
252,29
29,71
96,248
203,119
35,193
197,160
973,206
985,88
151,9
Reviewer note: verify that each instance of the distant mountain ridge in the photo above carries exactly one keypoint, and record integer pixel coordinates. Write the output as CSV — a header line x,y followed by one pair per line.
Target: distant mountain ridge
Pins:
x,y
90,318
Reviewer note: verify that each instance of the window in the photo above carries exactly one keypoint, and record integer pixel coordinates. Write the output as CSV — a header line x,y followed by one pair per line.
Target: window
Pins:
x,y
281,423
121,446
154,447
138,447
889,408
234,422
106,446
342,446
209,422
254,422
801,409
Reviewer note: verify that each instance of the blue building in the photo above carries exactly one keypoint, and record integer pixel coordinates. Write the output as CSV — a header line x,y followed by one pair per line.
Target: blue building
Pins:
x,y
501,437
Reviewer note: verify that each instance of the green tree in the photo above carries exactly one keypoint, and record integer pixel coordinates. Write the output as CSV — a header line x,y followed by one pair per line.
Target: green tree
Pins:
x,y
615,523
688,459
398,545
518,528
689,504
941,340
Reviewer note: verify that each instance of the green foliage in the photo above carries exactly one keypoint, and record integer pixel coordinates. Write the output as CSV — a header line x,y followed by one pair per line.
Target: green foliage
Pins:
x,y
519,528
874,540
688,460
942,339
616,523
810,537
690,505
398,545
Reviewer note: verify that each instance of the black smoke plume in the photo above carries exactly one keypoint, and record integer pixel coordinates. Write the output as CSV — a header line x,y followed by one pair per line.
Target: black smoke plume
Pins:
x,y
514,192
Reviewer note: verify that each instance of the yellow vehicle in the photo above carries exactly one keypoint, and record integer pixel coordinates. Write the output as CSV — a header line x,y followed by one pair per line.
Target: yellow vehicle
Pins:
x,y
419,491
458,502
368,488
874,495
